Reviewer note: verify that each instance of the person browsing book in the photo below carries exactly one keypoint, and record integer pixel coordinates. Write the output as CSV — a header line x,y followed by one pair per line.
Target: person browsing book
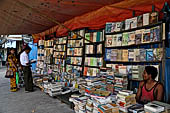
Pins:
x,y
149,89
24,59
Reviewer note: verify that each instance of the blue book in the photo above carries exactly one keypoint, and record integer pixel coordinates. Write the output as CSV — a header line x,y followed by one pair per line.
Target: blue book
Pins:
x,y
149,55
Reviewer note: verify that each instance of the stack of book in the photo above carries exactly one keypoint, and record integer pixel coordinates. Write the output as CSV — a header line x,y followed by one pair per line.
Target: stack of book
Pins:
x,y
121,80
137,71
154,108
125,99
108,108
88,71
137,108
48,43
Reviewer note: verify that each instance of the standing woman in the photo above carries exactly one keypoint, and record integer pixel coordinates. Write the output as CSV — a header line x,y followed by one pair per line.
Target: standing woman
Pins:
x,y
12,64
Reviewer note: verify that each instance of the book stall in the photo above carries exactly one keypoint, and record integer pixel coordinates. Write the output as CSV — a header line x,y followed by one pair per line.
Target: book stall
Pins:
x,y
98,71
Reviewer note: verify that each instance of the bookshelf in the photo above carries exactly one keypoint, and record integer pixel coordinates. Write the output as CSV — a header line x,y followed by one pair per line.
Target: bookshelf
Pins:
x,y
75,53
40,57
59,56
93,52
135,46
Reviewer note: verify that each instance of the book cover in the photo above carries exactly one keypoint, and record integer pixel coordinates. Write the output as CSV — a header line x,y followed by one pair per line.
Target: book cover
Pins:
x,y
157,54
155,34
125,39
94,36
117,27
108,27
139,36
91,37
113,27
113,55
137,54
109,40
131,55
131,38
98,36
122,26
133,23
128,24
154,107
146,36
85,70
114,40
125,55
146,19
119,55
119,40
107,54
153,18
140,21
91,49
99,49
142,55
149,55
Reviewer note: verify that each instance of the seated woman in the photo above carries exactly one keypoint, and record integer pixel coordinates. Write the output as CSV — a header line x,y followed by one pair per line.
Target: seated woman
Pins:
x,y
149,89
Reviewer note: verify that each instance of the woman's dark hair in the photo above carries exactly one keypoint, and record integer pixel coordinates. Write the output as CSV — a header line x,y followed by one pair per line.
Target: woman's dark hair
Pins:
x,y
151,70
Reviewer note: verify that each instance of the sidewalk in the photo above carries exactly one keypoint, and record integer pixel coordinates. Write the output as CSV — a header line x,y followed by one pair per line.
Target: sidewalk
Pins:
x,y
21,102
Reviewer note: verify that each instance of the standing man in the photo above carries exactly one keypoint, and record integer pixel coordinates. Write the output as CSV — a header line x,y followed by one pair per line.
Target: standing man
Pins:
x,y
24,59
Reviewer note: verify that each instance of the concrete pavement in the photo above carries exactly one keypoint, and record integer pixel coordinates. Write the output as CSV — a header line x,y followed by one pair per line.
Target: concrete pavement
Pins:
x,y
21,102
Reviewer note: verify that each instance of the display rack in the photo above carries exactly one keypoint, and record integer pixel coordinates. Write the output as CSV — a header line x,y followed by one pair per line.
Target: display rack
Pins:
x,y
75,53
136,47
94,52
59,56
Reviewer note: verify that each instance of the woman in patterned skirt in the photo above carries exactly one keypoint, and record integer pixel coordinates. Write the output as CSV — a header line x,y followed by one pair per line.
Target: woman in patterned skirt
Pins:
x,y
12,63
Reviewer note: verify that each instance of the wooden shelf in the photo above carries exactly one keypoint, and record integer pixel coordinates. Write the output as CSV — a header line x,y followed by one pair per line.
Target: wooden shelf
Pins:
x,y
73,56
74,64
59,51
101,42
134,45
75,38
92,66
75,47
133,61
138,28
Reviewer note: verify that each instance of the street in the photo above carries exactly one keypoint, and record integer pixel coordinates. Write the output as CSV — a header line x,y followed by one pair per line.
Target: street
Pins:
x,y
21,102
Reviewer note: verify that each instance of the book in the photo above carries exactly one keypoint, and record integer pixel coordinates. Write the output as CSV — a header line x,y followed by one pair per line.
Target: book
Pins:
x,y
157,54
107,54
117,27
154,107
91,37
87,36
125,55
131,38
119,40
146,36
133,23
109,40
113,55
126,92
149,55
146,19
131,55
140,21
125,39
155,34
108,27
153,18
137,108
139,36
114,40
99,49
99,35
128,24
94,36
113,27
142,55
119,55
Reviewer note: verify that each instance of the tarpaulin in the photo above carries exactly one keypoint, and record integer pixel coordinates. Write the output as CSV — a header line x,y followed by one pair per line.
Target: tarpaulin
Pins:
x,y
110,13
